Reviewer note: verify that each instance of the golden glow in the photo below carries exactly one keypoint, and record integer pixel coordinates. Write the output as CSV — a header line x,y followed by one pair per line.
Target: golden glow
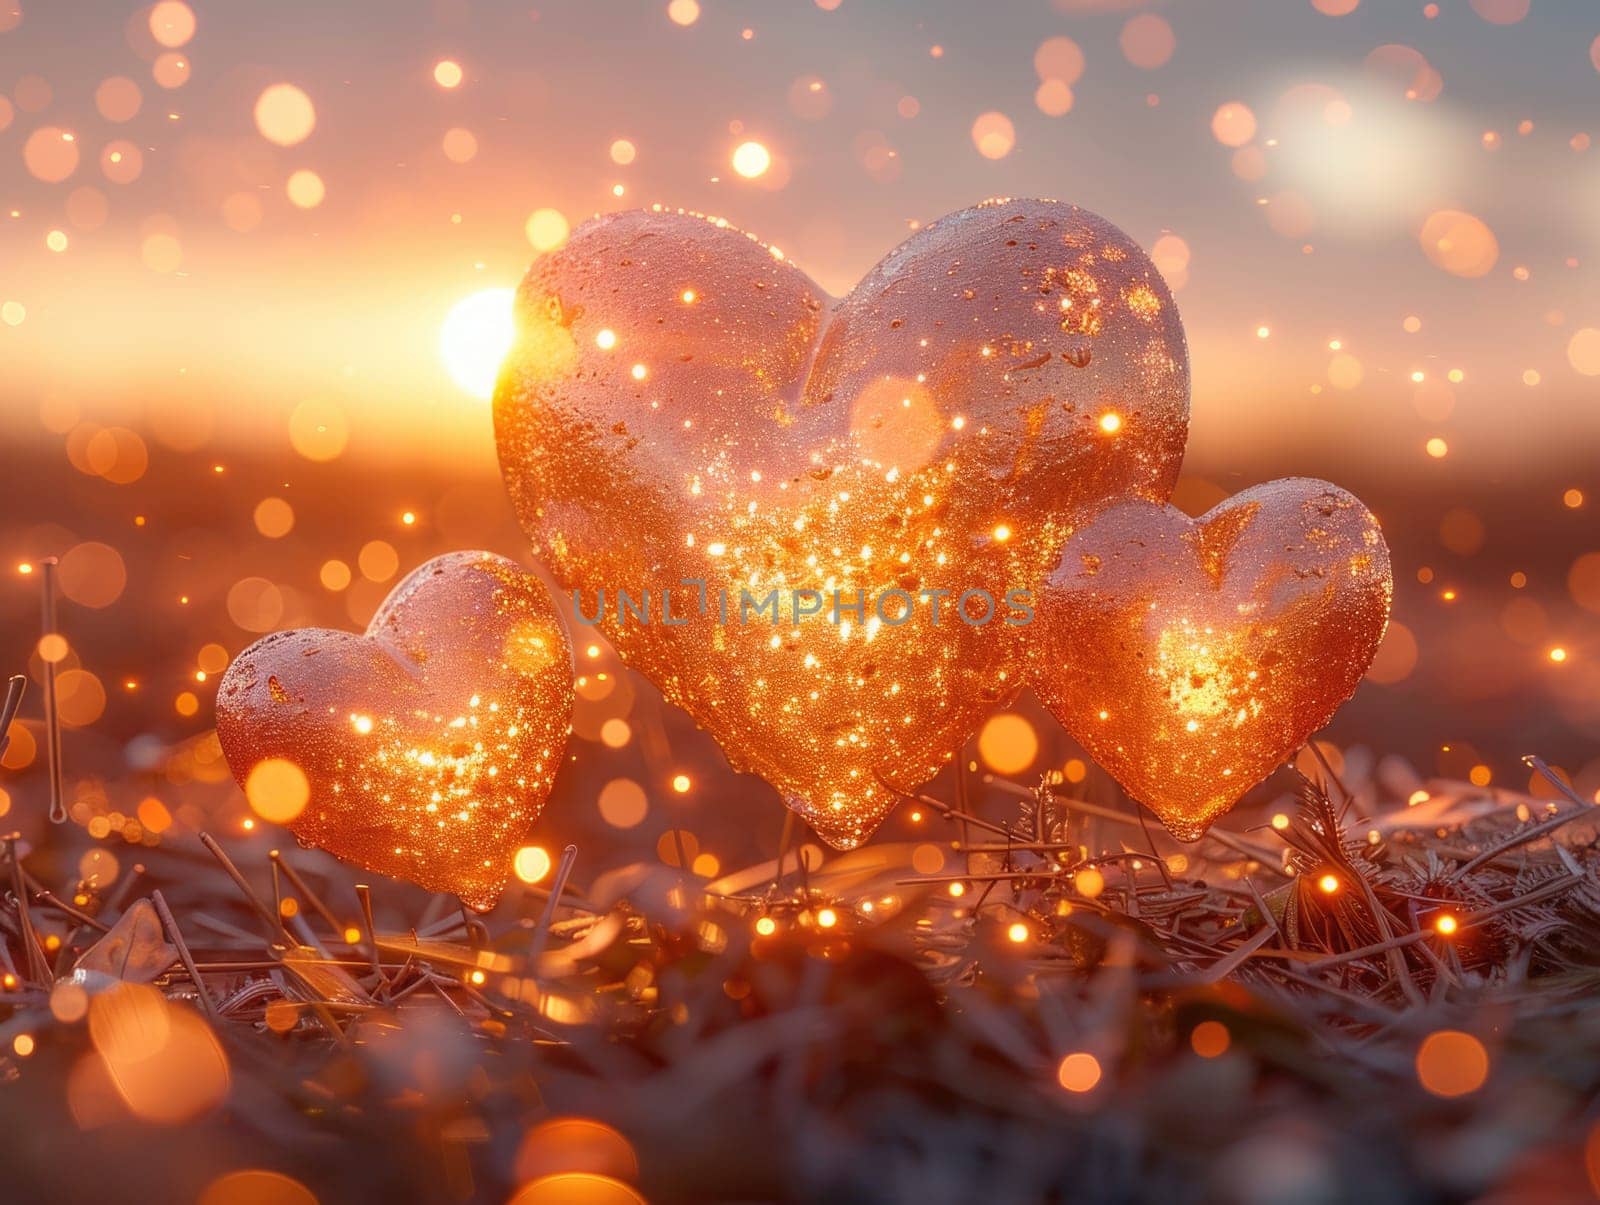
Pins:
x,y
827,918
1008,744
277,789
994,135
475,337
1452,1063
751,160
1018,932
1210,1039
1328,884
305,189
531,863
285,115
447,73
172,23
546,229
766,926
1558,654
683,12
1111,422
1437,448
1078,1072
1446,925
681,784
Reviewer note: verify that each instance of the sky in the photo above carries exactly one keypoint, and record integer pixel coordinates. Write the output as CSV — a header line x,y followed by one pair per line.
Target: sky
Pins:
x,y
868,112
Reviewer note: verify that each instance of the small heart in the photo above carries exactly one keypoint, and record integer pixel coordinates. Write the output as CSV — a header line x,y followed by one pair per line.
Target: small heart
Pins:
x,y
429,744
1191,657
684,403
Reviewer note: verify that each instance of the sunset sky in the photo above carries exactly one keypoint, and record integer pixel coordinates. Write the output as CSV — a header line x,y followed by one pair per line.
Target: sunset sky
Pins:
x,y
244,303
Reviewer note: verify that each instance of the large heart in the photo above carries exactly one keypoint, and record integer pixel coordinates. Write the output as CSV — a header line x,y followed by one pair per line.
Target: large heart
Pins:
x,y
430,743
683,403
1190,657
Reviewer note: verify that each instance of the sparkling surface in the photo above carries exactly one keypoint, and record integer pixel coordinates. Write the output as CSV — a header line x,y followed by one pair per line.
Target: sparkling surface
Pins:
x,y
777,439
430,743
1192,656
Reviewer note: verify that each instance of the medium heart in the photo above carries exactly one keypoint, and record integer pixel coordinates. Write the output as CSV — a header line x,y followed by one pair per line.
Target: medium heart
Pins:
x,y
1191,657
684,404
429,744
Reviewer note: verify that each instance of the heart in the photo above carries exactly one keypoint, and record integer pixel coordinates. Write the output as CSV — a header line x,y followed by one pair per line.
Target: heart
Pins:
x,y
1191,657
427,745
682,403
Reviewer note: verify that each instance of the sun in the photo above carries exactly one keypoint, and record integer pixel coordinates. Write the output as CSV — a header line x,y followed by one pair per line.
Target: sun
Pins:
x,y
475,337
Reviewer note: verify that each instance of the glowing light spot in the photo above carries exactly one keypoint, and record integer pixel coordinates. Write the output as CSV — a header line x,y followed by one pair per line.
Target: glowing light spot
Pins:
x,y
1008,744
1446,925
827,918
993,135
477,333
1451,1063
1210,1039
1558,654
1328,884
171,70
1233,124
318,430
1018,932
766,926
639,372
459,145
1459,243
1437,448
447,73
1147,41
683,12
531,863
751,159
274,518
277,790
1054,98
172,23
1078,1072
285,115
546,229
622,803
623,152
51,154
605,339
1110,422
378,560
1583,351
681,784
1089,882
